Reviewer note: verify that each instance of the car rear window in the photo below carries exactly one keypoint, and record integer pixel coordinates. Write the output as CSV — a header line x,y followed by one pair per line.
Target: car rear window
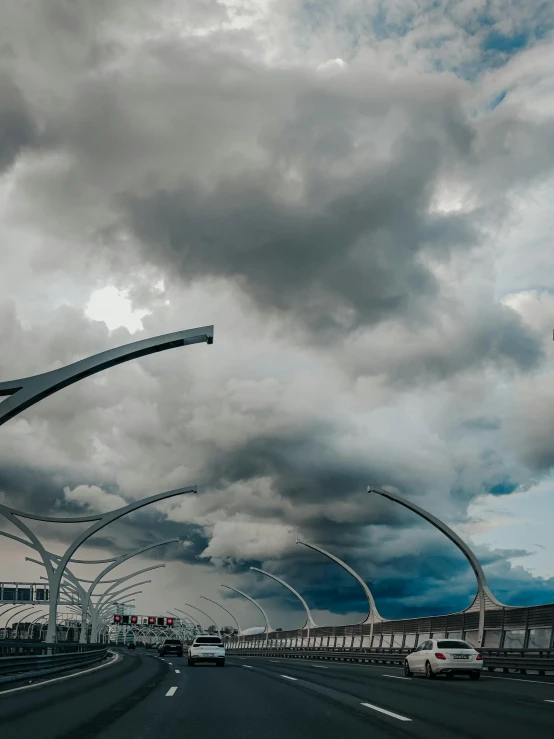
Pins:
x,y
452,644
172,641
208,640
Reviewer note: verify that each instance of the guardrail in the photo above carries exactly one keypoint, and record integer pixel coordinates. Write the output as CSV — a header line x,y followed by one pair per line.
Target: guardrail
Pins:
x,y
540,661
29,661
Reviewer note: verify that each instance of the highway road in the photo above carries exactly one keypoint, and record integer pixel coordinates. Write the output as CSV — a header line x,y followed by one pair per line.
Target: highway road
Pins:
x,y
142,696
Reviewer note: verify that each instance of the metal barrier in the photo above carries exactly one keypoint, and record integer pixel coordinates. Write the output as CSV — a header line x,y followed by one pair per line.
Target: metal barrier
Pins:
x,y
26,661
506,660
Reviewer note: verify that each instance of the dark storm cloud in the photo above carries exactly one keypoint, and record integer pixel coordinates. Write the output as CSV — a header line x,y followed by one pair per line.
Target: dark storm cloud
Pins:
x,y
17,126
34,489
435,581
311,195
356,253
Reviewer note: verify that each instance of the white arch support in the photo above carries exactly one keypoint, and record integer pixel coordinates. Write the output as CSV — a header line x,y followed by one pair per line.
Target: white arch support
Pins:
x,y
484,593
205,614
309,623
258,606
372,613
224,609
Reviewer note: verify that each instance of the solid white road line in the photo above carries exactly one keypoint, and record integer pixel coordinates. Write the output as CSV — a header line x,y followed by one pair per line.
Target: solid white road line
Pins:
x,y
249,667
547,701
398,677
321,667
170,663
288,677
518,680
171,692
114,659
389,713
178,672
275,660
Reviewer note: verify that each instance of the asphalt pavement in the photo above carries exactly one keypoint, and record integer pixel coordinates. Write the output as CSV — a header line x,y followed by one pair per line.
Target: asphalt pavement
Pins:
x,y
142,696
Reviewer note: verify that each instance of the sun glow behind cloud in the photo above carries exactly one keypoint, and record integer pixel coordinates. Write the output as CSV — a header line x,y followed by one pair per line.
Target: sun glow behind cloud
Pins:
x,y
115,309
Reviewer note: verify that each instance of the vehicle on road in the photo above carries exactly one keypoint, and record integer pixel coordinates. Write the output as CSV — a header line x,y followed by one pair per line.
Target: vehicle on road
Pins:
x,y
131,645
207,648
447,657
170,646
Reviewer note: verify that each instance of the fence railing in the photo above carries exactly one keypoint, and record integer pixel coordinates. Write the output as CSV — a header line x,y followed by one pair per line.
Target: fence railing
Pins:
x,y
21,660
540,661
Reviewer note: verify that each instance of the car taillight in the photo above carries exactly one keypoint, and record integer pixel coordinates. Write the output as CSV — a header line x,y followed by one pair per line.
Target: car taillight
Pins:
x,y
439,655
479,656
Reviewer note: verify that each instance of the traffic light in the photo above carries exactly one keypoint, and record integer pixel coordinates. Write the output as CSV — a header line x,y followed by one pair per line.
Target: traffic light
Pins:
x,y
117,619
134,619
170,622
151,620
160,621
125,620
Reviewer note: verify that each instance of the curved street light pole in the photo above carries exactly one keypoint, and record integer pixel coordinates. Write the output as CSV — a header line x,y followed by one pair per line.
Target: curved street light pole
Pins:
x,y
309,620
27,391
35,621
98,521
373,613
226,611
258,606
11,608
484,593
116,563
26,609
205,614
85,596
194,620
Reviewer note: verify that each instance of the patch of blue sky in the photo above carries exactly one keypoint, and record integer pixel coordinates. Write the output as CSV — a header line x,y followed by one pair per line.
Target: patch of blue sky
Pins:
x,y
506,44
497,99
383,28
504,487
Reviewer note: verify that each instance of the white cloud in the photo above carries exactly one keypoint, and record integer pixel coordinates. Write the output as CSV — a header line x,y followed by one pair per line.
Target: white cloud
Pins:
x,y
243,541
98,500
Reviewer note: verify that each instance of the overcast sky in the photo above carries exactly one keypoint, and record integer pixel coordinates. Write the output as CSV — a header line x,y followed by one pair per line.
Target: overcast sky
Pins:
x,y
358,195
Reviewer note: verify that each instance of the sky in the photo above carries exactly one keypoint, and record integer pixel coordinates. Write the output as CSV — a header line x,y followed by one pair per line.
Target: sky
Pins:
x,y
358,196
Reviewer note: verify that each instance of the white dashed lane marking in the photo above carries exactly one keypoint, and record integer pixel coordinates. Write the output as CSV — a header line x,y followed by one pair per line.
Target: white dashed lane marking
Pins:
x,y
249,667
388,713
171,692
288,677
398,677
178,672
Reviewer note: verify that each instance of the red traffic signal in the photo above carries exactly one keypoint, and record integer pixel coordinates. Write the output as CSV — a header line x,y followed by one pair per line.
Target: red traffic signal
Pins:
x,y
170,622
117,619
134,619
151,620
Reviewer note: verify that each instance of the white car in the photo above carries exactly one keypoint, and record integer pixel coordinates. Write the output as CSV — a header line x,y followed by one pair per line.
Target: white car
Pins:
x,y
207,648
444,657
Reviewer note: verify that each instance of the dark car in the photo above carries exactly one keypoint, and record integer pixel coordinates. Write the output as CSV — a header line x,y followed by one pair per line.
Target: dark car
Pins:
x,y
131,645
171,646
